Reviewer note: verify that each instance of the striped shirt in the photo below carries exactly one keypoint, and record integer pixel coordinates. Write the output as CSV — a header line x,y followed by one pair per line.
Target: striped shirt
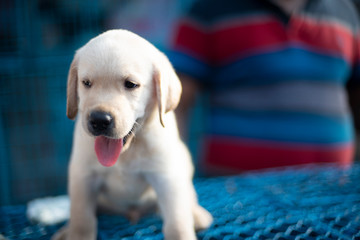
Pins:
x,y
276,82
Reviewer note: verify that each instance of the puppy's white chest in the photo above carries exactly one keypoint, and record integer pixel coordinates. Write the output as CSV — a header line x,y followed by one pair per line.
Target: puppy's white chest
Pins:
x,y
123,190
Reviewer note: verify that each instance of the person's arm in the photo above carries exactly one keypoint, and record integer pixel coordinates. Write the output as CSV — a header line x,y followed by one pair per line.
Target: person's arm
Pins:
x,y
354,100
190,91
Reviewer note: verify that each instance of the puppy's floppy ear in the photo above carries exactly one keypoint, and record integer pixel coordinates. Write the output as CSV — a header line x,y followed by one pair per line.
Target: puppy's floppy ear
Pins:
x,y
72,96
167,86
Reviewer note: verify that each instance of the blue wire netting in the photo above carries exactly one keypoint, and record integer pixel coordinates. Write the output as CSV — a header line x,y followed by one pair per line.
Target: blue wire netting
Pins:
x,y
306,203
37,42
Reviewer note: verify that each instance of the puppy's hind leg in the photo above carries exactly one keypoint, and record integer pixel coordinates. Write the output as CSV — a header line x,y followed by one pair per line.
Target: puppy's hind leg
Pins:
x,y
202,218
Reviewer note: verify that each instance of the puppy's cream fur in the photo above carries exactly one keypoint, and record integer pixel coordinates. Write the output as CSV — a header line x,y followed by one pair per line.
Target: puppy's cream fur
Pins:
x,y
154,168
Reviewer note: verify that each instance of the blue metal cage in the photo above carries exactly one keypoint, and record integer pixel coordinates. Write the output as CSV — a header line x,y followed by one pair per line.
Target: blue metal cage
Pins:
x,y
38,39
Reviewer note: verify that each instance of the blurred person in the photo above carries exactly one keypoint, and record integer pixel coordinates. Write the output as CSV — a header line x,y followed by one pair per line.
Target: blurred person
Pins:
x,y
154,20
275,73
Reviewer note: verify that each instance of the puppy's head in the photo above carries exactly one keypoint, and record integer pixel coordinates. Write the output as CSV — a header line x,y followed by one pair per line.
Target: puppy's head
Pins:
x,y
114,81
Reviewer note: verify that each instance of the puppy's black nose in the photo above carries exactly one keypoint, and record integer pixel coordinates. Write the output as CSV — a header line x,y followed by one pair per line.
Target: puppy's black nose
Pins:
x,y
100,123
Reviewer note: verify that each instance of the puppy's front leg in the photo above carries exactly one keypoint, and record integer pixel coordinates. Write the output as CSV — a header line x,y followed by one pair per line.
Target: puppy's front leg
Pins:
x,y
82,224
174,199
83,192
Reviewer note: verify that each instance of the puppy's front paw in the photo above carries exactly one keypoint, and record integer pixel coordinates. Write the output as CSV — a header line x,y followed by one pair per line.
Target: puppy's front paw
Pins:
x,y
178,232
202,218
61,234
65,233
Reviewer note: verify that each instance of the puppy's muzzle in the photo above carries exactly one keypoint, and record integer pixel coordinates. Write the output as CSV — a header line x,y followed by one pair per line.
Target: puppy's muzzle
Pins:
x,y
100,123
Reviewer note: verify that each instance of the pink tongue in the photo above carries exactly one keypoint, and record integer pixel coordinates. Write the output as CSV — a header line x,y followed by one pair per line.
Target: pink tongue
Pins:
x,y
108,150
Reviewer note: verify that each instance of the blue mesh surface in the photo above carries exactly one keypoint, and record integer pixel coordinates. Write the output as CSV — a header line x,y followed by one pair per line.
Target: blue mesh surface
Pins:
x,y
306,203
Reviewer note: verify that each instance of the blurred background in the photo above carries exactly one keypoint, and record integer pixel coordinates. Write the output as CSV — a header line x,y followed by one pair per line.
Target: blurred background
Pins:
x,y
38,39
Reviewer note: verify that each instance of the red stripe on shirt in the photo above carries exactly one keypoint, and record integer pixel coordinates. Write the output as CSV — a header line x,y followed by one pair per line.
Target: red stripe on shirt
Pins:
x,y
234,38
192,39
242,37
243,155
326,36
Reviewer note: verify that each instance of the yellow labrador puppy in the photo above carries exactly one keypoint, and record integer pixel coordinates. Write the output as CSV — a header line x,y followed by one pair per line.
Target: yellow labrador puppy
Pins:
x,y
127,156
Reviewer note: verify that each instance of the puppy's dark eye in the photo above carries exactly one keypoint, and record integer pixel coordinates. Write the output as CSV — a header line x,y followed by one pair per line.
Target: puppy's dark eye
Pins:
x,y
130,85
87,83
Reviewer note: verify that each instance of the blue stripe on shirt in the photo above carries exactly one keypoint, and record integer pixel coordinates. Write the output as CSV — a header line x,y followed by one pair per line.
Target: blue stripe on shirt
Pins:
x,y
300,64
189,65
281,126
